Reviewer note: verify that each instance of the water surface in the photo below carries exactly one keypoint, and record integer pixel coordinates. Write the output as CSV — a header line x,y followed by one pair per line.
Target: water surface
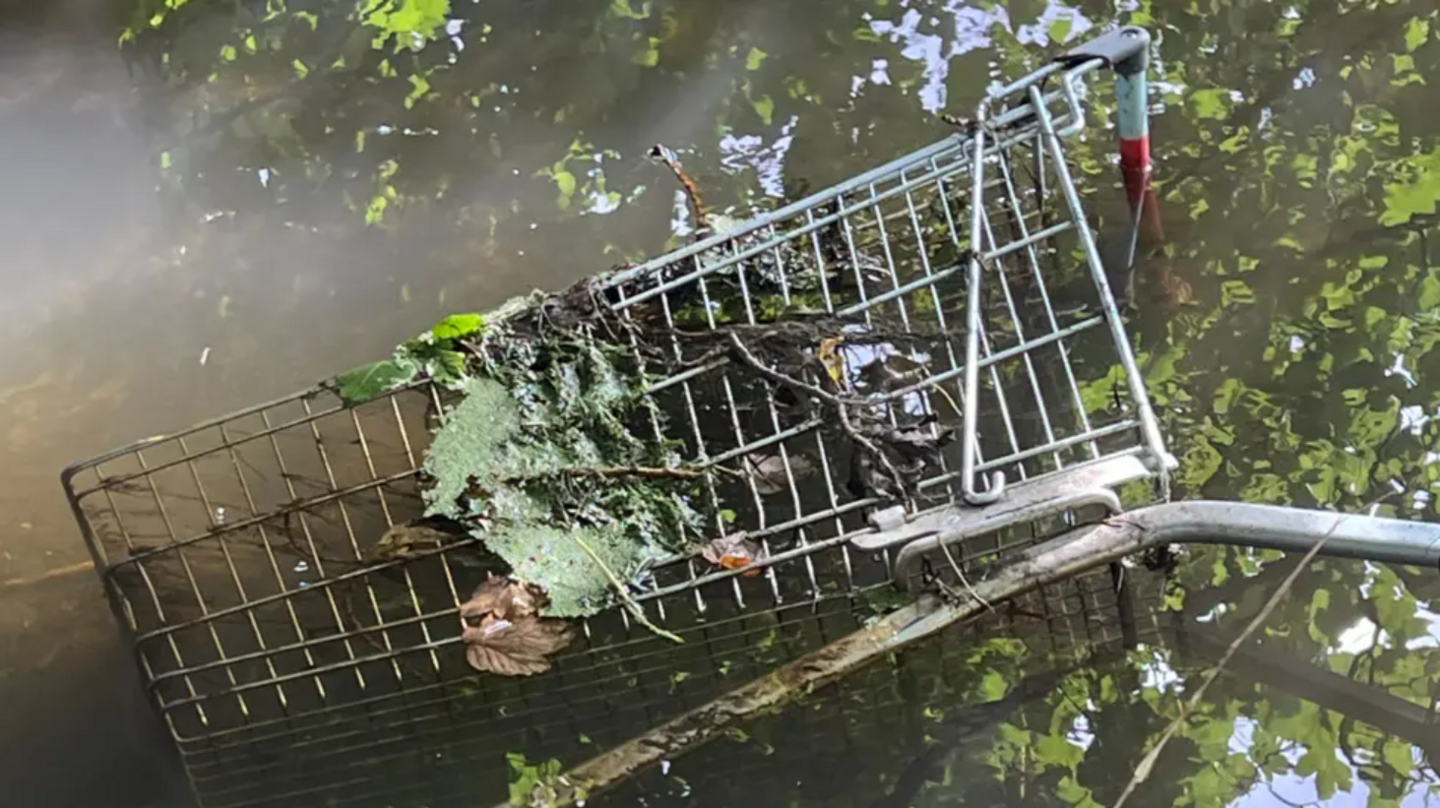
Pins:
x,y
250,197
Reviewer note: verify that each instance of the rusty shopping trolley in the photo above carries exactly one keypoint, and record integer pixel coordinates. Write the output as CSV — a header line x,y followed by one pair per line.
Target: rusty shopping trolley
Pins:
x,y
959,387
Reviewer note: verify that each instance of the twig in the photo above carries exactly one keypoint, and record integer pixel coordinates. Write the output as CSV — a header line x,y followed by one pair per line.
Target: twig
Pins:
x,y
959,573
945,394
647,472
624,593
1142,772
833,400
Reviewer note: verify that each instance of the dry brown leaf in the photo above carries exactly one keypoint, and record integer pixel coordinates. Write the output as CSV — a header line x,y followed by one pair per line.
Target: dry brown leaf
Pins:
x,y
406,540
833,360
504,598
516,648
1174,289
504,634
732,552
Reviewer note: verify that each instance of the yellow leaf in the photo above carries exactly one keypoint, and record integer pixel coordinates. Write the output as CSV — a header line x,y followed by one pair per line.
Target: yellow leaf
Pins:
x,y
832,360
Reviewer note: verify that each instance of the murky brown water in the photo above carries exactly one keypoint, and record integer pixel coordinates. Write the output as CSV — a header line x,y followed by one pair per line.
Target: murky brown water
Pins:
x,y
1294,147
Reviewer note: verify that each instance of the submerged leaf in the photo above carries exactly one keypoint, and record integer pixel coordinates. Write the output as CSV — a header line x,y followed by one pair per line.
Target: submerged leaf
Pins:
x,y
504,598
368,381
407,539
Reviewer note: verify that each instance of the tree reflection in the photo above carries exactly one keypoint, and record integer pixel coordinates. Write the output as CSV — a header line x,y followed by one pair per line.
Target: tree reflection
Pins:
x,y
1299,168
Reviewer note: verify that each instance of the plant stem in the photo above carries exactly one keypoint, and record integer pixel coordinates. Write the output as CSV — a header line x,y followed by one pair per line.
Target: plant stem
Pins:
x,y
653,473
624,594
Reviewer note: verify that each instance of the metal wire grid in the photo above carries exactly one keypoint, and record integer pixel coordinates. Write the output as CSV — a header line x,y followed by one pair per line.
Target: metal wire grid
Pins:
x,y
370,707
889,248
854,742
236,551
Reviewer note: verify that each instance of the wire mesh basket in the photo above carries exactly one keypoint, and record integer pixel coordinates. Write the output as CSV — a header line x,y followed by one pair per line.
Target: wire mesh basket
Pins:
x,y
876,737
292,669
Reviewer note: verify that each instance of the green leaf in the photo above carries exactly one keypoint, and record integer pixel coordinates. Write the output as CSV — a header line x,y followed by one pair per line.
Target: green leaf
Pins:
x,y
555,558
1059,31
764,107
458,325
1319,602
1417,30
754,58
368,381
1416,193
1212,103
419,86
623,9
470,441
1429,292
524,777
1054,750
1399,757
408,23
375,211
650,56
449,366
565,183
993,686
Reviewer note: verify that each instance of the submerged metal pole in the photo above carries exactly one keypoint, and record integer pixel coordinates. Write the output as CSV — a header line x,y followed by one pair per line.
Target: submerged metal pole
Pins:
x,y
1082,549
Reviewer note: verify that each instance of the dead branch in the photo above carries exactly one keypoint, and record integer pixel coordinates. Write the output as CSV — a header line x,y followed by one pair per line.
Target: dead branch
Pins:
x,y
841,405
1142,772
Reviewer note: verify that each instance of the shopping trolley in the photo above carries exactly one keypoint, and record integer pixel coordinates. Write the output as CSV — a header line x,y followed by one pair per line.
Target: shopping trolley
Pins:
x,y
957,291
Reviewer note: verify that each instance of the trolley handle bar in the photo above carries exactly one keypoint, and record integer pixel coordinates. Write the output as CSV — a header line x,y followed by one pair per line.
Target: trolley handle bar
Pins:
x,y
1079,550
1126,49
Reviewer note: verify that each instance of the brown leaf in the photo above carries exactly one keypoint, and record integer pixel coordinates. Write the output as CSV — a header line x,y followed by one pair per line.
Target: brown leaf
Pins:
x,y
515,648
769,472
406,540
1174,289
503,598
503,632
732,552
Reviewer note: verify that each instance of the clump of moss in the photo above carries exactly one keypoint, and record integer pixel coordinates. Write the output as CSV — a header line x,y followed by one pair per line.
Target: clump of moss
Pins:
x,y
538,461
